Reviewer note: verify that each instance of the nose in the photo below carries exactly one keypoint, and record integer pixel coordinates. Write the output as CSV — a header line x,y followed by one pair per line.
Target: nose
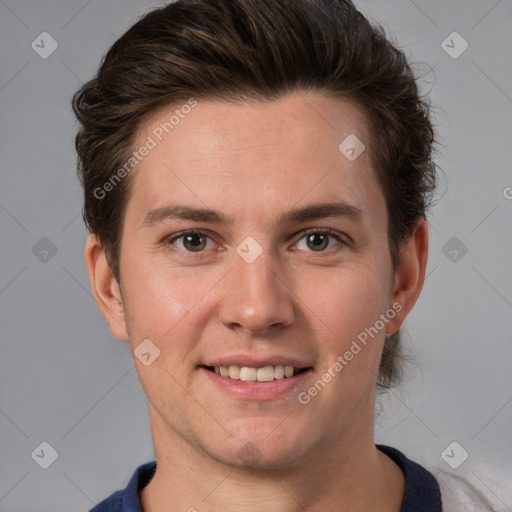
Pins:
x,y
256,297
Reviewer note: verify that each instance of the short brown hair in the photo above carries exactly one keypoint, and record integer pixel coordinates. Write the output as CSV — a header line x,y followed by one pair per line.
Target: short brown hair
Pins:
x,y
238,50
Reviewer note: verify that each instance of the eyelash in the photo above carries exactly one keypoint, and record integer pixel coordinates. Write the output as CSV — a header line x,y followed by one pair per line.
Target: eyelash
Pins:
x,y
170,240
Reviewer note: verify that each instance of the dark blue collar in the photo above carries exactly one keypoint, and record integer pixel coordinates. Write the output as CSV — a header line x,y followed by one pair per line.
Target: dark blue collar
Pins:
x,y
421,494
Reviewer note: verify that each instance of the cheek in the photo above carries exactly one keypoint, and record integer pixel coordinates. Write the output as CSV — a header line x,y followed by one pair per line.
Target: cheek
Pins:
x,y
172,308
350,300
158,298
348,310
350,347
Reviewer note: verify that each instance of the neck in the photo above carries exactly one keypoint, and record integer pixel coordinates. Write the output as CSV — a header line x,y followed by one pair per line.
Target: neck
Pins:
x,y
346,474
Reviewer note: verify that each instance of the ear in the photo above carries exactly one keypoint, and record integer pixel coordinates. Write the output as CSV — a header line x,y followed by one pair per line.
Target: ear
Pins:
x,y
105,288
410,275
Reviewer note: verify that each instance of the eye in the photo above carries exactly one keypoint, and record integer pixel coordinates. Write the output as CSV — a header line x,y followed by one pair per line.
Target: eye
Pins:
x,y
317,239
193,241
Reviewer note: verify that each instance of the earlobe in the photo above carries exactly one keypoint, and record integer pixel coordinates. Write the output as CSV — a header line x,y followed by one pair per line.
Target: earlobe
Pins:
x,y
410,275
105,288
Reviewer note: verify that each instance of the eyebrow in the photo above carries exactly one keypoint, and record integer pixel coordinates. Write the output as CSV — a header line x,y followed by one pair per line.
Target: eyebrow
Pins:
x,y
306,213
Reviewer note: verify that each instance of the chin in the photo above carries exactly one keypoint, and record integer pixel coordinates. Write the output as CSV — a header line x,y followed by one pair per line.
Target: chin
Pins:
x,y
260,450
250,457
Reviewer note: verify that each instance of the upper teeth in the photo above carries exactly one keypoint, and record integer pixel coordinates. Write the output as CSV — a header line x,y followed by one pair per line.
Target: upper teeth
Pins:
x,y
264,374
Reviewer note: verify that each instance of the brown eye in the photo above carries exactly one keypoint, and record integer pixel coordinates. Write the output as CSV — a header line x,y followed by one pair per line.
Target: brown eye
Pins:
x,y
192,241
317,240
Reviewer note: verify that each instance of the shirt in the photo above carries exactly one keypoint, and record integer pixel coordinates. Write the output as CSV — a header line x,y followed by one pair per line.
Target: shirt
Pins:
x,y
421,494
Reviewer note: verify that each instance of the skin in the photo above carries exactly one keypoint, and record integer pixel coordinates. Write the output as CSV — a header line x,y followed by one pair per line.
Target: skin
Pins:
x,y
254,162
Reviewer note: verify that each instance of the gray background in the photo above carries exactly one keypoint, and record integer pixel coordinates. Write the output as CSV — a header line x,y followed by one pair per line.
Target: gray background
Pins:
x,y
64,378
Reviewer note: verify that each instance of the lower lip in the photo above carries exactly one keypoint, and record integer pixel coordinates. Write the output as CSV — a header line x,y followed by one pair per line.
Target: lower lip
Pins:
x,y
249,390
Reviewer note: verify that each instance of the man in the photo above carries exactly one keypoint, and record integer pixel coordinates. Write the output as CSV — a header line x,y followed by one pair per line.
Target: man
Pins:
x,y
256,177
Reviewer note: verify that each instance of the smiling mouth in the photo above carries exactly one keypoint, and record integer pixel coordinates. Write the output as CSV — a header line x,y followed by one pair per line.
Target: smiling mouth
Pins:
x,y
262,374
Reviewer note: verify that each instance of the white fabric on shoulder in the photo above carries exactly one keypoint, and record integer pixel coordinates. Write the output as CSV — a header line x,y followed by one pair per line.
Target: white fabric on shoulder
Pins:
x,y
472,494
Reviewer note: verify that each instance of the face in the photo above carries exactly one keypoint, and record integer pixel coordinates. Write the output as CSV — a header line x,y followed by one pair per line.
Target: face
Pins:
x,y
265,278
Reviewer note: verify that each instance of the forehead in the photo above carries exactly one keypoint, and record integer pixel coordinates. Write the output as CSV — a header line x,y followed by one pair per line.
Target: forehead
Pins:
x,y
249,157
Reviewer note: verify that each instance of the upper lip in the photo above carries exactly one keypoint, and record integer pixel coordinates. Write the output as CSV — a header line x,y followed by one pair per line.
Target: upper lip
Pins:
x,y
258,362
